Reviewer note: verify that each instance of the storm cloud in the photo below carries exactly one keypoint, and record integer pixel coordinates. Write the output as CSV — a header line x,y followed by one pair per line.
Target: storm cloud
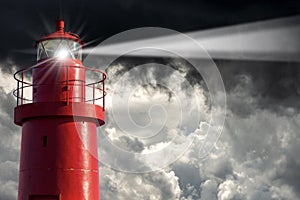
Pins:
x,y
255,157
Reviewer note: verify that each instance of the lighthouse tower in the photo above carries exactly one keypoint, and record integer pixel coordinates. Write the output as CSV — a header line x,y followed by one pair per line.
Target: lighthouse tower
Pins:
x,y
59,109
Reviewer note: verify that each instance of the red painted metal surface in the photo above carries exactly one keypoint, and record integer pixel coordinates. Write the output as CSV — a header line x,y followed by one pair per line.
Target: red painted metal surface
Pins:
x,y
60,33
59,140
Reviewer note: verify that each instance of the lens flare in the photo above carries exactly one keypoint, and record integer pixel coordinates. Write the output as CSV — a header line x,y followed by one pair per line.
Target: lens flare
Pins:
x,y
62,54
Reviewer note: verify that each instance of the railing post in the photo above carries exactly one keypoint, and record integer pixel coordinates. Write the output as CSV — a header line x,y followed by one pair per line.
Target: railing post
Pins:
x,y
18,92
103,92
22,87
93,93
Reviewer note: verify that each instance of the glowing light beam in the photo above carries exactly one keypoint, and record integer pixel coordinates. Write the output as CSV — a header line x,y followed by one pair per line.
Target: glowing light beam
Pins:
x,y
270,40
62,54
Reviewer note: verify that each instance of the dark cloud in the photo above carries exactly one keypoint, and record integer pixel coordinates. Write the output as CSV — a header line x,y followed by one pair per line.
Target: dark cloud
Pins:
x,y
10,139
268,85
256,156
188,177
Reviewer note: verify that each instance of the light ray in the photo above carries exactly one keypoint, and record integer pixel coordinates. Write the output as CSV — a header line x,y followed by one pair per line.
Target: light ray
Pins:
x,y
270,40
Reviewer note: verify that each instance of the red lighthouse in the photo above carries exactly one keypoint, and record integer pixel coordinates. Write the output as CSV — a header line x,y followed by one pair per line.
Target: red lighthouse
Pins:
x,y
58,158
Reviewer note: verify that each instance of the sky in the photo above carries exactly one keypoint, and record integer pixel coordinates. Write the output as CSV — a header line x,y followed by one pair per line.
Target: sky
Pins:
x,y
159,107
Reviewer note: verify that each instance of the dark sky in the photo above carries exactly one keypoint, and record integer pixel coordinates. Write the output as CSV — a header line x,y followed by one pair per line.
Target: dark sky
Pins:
x,y
23,22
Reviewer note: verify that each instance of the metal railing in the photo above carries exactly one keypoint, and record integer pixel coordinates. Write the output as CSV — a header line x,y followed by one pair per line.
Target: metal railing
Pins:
x,y
93,88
